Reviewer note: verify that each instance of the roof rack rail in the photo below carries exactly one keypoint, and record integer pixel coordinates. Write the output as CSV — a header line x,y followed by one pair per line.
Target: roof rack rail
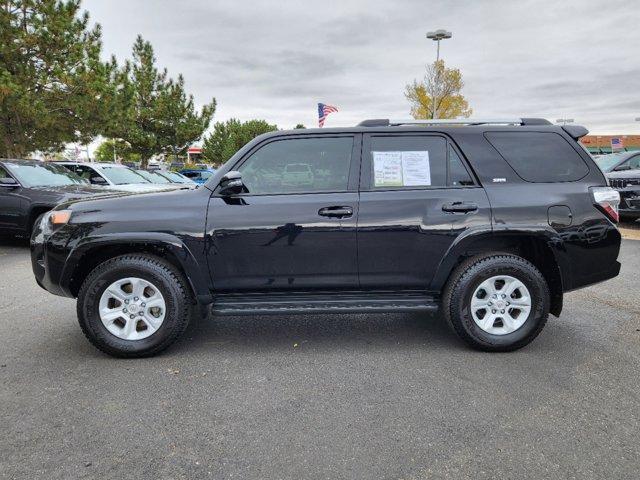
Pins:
x,y
385,122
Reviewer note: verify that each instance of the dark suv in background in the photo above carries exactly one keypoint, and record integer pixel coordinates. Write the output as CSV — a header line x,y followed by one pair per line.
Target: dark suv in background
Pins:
x,y
29,188
490,221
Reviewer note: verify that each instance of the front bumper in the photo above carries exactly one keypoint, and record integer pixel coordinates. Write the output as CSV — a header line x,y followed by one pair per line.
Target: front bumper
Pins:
x,y
629,201
47,262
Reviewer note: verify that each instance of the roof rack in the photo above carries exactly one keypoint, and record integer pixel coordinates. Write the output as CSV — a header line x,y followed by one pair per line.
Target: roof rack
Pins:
x,y
385,122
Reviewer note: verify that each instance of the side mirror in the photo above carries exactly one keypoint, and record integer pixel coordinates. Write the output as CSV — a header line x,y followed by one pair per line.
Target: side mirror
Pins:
x,y
97,180
8,182
231,183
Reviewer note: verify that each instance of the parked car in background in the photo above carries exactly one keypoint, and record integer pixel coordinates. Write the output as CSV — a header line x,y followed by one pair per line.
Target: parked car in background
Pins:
x,y
197,175
176,177
159,177
616,162
29,188
114,176
627,183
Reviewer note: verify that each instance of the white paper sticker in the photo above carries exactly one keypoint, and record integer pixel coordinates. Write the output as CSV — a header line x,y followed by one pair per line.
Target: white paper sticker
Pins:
x,y
415,169
398,169
387,169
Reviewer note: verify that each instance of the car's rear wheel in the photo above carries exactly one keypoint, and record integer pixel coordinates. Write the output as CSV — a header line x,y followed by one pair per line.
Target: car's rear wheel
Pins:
x,y
134,305
497,302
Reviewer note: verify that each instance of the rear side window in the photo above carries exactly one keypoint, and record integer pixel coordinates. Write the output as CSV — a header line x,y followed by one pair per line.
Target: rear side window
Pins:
x,y
539,156
410,161
415,161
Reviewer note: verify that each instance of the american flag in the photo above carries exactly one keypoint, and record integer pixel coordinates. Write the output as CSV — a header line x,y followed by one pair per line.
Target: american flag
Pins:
x,y
616,143
323,111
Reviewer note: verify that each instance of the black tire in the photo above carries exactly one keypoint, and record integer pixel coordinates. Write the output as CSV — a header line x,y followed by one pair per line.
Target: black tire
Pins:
x,y
170,282
462,285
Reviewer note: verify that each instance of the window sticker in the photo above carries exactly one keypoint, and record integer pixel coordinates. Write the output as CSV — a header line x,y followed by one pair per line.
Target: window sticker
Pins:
x,y
401,169
387,169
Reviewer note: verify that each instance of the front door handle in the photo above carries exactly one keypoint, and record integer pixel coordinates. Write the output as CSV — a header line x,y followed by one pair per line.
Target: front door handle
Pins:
x,y
459,207
337,211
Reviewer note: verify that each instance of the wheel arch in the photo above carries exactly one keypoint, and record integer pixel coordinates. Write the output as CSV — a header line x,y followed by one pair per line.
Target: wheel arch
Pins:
x,y
543,248
89,254
34,212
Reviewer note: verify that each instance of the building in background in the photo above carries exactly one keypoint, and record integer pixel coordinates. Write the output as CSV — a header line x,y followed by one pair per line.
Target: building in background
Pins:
x,y
194,154
601,144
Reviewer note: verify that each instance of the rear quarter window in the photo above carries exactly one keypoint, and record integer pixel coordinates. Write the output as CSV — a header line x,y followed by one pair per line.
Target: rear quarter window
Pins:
x,y
541,157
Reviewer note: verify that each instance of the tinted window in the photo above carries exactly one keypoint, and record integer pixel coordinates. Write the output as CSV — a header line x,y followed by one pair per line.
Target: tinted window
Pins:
x,y
87,173
408,161
539,156
192,175
299,165
3,173
458,175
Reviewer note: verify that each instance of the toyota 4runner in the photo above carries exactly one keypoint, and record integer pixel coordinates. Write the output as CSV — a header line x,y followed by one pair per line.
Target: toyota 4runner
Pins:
x,y
489,221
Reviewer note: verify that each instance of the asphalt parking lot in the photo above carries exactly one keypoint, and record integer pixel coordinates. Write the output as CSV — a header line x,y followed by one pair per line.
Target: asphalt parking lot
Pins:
x,y
353,396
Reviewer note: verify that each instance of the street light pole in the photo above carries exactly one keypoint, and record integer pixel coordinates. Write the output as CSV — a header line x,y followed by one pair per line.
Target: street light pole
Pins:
x,y
436,36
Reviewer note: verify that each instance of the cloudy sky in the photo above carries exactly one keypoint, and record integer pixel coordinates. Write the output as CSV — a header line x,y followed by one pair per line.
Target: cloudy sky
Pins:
x,y
276,59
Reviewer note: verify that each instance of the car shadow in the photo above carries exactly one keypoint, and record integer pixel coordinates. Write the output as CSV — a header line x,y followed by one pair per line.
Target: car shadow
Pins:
x,y
317,331
12,241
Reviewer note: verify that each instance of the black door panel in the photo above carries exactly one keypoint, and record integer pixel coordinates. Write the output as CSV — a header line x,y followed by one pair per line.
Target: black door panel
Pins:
x,y
283,242
404,231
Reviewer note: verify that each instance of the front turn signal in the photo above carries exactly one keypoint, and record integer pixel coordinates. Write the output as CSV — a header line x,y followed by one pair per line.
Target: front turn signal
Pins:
x,y
58,218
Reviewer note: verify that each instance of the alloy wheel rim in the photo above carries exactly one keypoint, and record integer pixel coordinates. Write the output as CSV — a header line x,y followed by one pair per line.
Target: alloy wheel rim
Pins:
x,y
132,308
501,305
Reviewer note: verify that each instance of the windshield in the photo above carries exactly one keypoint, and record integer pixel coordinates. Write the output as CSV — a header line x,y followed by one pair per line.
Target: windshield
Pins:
x,y
43,175
609,162
122,175
153,177
176,177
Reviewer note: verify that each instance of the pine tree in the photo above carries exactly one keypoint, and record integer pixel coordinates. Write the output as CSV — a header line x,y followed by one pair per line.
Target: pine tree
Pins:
x,y
53,85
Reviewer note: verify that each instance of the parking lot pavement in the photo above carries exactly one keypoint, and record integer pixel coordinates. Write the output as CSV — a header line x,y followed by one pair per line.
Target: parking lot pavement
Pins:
x,y
352,396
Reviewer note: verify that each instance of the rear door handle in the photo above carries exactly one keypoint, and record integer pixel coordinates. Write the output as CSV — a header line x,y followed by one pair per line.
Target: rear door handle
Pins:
x,y
337,211
459,207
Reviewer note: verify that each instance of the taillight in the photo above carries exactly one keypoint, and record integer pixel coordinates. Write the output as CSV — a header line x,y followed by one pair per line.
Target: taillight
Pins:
x,y
606,199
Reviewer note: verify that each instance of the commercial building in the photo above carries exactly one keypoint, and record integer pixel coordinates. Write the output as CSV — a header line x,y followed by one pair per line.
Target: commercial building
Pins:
x,y
601,144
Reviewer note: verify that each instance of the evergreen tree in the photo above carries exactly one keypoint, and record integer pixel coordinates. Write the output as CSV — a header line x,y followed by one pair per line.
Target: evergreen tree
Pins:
x,y
53,85
155,114
229,137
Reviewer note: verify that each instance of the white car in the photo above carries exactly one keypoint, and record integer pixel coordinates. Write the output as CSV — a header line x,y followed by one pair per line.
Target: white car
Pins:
x,y
116,177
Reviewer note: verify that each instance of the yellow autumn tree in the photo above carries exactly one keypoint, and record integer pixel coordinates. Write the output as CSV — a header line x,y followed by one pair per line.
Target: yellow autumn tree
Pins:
x,y
438,94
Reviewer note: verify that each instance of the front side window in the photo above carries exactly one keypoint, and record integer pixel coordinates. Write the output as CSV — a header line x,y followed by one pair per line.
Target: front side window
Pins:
x,y
539,156
43,175
299,165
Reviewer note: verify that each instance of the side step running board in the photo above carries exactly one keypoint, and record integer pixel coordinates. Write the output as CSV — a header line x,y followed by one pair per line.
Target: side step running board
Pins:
x,y
273,303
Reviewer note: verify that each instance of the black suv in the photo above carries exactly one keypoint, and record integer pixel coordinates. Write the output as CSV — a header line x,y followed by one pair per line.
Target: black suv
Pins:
x,y
488,221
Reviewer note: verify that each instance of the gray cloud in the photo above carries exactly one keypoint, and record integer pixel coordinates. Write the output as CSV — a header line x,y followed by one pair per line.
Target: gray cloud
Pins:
x,y
277,59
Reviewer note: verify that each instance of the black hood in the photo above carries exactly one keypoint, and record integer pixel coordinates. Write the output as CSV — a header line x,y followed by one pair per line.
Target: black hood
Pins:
x,y
54,195
75,190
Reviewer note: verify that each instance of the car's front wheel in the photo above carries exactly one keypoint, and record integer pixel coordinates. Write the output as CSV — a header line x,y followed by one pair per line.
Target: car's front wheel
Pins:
x,y
497,302
134,305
